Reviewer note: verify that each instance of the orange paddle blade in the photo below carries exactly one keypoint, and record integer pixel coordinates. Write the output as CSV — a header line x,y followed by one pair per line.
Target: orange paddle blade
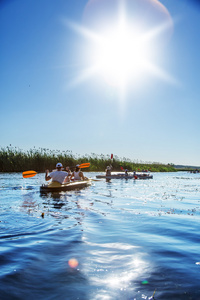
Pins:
x,y
85,165
28,174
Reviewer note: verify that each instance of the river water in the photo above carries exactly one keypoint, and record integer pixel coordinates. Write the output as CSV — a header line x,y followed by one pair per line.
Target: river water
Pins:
x,y
123,239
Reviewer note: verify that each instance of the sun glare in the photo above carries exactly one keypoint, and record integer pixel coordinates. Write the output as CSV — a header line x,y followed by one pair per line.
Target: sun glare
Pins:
x,y
120,56
121,52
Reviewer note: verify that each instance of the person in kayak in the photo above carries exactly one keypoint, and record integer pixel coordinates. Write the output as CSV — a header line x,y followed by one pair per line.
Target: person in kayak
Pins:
x,y
135,175
77,174
69,173
108,170
57,175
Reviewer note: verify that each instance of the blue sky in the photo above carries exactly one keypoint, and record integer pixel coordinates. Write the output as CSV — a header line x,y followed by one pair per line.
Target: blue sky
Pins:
x,y
45,104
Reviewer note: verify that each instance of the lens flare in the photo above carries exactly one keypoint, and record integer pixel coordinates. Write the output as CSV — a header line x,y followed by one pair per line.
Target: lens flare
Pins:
x,y
73,263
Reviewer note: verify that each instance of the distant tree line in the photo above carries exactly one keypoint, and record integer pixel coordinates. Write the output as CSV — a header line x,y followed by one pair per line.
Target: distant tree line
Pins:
x,y
13,159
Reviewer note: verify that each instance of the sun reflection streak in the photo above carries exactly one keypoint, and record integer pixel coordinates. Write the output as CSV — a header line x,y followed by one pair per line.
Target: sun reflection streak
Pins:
x,y
123,279
118,267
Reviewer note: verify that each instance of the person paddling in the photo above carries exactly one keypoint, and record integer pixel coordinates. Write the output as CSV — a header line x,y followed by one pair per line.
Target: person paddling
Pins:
x,y
77,174
57,175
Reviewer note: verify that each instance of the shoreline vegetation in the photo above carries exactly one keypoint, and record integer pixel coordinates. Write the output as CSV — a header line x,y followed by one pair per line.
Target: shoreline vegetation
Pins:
x,y
13,159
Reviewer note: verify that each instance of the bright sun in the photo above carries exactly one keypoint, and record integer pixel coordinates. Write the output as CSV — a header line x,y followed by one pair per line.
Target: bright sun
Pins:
x,y
121,55
120,51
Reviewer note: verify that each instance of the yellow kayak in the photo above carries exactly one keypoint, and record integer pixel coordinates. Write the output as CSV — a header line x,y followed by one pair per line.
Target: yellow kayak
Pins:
x,y
69,186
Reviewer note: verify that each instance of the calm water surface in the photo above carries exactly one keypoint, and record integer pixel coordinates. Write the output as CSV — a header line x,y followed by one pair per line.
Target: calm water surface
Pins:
x,y
131,239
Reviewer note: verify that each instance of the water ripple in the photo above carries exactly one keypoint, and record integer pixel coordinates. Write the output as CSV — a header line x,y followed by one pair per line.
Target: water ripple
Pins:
x,y
129,239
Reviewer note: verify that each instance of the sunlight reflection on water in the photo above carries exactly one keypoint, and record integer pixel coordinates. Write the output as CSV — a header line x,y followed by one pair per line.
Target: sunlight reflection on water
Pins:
x,y
128,237
118,266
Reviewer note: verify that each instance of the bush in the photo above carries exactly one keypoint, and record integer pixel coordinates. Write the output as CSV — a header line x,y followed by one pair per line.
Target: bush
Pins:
x,y
17,160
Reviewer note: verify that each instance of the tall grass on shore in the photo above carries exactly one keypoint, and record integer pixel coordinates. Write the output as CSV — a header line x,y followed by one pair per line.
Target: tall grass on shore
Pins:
x,y
13,159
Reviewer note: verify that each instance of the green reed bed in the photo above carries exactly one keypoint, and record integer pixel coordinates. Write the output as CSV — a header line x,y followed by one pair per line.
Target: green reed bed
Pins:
x,y
13,159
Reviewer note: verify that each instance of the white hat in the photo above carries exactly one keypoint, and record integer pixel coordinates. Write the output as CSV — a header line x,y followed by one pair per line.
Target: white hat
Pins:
x,y
59,165
77,166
